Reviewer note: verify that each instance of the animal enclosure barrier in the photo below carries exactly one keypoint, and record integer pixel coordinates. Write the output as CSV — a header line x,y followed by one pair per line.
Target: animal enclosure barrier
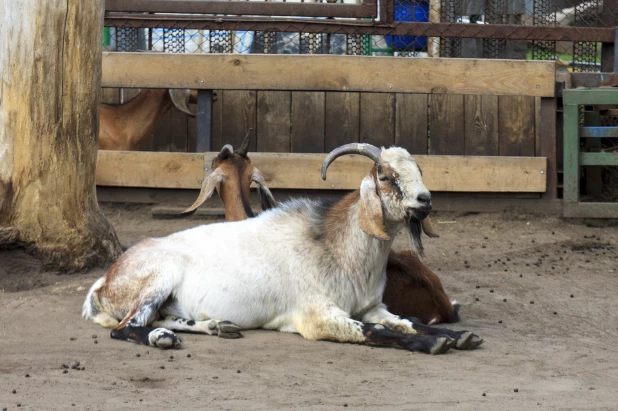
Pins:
x,y
355,74
575,37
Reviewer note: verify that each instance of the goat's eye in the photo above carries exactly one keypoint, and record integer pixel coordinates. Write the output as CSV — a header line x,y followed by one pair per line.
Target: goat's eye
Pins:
x,y
382,178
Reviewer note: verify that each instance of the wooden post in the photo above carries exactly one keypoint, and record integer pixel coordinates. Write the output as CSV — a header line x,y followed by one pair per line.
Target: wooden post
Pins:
x,y
49,92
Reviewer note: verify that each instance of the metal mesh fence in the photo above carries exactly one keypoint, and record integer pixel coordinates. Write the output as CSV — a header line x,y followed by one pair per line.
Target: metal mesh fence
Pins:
x,y
567,31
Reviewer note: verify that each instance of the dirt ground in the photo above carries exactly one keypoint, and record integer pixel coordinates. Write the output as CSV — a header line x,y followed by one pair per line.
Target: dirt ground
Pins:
x,y
539,290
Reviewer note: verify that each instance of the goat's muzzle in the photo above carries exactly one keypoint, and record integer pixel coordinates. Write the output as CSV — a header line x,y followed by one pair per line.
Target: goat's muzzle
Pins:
x,y
419,213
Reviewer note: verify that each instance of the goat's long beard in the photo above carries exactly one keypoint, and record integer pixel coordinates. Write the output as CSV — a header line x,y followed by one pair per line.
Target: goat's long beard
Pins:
x,y
414,235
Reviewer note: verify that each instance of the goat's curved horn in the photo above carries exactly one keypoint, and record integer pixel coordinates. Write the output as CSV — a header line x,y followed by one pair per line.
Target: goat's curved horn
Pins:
x,y
366,150
226,151
180,98
244,147
208,187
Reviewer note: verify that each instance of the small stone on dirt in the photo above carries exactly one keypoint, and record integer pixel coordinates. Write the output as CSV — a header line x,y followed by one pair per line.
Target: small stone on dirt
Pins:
x,y
138,355
531,302
476,298
94,336
65,371
237,371
72,338
516,390
188,355
484,395
14,391
572,296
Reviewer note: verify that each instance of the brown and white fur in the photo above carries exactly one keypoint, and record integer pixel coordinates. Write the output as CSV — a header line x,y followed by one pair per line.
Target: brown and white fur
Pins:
x,y
308,267
412,289
125,126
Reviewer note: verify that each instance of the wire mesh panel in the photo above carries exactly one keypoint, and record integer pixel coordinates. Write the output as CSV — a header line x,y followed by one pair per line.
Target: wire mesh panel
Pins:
x,y
450,12
127,39
495,13
264,42
358,45
174,40
586,53
543,15
311,43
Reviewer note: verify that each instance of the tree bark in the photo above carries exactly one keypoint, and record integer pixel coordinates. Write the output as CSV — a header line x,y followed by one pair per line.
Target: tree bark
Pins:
x,y
50,69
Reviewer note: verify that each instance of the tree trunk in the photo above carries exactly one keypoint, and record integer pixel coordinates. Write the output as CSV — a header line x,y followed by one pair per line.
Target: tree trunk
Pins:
x,y
50,69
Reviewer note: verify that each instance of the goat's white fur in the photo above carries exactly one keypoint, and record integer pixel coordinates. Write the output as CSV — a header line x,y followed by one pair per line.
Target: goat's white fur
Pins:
x,y
274,271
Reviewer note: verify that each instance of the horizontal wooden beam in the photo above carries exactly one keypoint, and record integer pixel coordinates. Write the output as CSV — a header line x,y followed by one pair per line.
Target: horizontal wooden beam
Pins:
x,y
590,96
329,73
244,7
302,171
598,159
598,132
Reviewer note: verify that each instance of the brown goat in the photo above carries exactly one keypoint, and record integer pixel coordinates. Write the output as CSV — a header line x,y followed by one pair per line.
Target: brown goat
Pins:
x,y
412,289
125,126
232,176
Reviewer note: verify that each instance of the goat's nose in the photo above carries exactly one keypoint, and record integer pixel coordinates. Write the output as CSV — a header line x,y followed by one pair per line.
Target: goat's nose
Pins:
x,y
424,199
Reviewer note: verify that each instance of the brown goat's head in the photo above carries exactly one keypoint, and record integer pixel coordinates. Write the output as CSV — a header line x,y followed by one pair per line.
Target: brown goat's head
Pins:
x,y
232,175
391,194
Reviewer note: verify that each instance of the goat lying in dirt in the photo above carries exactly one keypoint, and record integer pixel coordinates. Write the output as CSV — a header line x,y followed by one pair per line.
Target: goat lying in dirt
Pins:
x,y
311,267
412,289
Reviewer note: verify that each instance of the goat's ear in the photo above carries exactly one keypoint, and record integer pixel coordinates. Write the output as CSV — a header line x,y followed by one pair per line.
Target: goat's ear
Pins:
x,y
266,197
428,228
370,216
208,187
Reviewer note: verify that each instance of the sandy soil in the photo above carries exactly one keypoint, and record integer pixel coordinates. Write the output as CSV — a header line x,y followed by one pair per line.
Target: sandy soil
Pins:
x,y
558,352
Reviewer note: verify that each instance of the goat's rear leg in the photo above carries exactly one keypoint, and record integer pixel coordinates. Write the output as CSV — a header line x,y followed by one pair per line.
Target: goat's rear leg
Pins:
x,y
465,339
133,328
223,329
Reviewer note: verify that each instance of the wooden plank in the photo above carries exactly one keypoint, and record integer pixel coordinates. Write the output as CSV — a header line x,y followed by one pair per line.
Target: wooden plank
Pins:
x,y
308,121
238,115
217,139
411,122
598,132
442,201
291,170
516,123
571,173
593,96
446,124
329,73
377,119
547,117
481,125
341,119
273,121
171,132
598,159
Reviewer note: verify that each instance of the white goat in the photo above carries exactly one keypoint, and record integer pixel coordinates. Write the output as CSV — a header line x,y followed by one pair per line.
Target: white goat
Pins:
x,y
311,267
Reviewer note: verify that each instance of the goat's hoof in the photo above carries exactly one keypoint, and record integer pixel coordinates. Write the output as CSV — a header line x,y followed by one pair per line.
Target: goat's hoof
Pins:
x,y
442,345
227,329
468,341
163,338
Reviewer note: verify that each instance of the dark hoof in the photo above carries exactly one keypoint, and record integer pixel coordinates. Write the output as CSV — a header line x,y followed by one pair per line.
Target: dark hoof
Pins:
x,y
442,345
228,329
468,341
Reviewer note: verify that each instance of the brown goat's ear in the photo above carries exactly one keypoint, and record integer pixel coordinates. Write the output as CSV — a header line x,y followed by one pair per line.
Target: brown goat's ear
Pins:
x,y
208,187
370,216
428,228
266,197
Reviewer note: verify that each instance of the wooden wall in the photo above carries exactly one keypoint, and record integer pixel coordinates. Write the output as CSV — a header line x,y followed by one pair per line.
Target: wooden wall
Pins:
x,y
317,122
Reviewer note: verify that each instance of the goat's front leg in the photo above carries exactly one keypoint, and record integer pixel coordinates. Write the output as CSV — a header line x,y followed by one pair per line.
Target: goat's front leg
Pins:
x,y
465,340
333,324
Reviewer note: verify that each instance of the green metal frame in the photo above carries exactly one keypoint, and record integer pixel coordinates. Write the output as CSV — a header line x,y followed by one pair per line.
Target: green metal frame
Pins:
x,y
574,159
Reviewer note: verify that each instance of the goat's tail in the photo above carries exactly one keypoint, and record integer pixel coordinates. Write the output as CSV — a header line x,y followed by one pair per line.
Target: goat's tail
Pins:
x,y
93,309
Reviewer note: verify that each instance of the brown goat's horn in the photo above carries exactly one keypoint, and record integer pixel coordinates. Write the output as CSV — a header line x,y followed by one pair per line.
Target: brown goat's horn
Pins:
x,y
180,98
226,151
244,147
366,150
